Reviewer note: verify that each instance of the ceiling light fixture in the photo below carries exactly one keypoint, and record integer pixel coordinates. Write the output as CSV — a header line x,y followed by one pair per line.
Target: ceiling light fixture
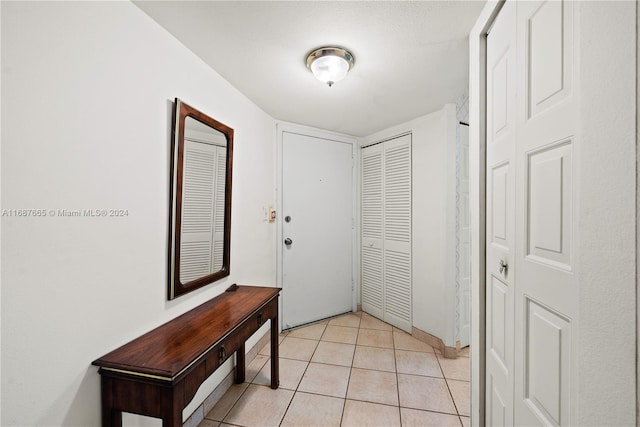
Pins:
x,y
330,64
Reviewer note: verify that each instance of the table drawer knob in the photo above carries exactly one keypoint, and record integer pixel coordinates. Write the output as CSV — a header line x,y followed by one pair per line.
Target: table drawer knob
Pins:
x,y
260,319
223,355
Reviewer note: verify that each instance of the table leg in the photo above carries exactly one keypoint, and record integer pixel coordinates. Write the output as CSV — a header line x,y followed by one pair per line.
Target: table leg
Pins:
x,y
110,417
275,356
240,364
173,403
174,420
113,419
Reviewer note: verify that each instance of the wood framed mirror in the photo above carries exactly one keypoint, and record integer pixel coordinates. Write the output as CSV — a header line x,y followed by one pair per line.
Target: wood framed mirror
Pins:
x,y
200,220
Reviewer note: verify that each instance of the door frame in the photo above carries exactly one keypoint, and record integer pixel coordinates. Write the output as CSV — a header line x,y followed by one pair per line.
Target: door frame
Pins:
x,y
477,194
285,127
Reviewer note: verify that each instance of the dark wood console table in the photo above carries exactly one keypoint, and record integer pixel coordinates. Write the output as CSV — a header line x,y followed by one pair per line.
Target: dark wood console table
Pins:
x,y
158,373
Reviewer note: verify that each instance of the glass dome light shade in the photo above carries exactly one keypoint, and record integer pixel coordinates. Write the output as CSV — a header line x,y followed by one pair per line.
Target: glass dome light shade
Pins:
x,y
330,64
330,69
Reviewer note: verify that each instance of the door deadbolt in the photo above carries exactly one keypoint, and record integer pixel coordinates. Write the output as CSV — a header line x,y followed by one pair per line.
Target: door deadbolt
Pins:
x,y
287,218
503,266
288,241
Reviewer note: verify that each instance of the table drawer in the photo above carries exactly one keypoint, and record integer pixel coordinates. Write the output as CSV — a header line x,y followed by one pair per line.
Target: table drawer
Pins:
x,y
232,342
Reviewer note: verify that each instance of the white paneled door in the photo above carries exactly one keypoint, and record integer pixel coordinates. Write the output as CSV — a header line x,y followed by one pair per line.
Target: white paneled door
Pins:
x,y
386,231
317,228
546,290
530,198
500,227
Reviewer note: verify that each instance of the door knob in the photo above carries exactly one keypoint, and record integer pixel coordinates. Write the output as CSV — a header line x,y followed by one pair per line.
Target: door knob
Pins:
x,y
288,241
503,266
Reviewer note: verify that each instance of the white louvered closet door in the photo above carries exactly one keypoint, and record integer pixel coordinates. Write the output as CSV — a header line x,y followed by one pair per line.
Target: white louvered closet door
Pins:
x,y
202,230
386,231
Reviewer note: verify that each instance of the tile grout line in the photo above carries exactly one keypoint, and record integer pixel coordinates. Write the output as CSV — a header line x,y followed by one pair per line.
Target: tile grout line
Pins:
x,y
355,346
455,405
252,383
236,400
234,404
303,374
395,364
248,385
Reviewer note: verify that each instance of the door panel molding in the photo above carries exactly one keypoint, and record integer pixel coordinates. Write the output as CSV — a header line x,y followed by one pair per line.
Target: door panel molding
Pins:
x,y
547,364
549,50
549,199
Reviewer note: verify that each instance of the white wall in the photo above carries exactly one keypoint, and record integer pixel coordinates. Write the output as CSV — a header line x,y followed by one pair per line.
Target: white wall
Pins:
x,y
607,217
0,222
86,112
433,218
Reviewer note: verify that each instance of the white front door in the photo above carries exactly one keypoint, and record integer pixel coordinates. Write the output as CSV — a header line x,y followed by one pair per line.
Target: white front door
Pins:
x,y
532,303
317,228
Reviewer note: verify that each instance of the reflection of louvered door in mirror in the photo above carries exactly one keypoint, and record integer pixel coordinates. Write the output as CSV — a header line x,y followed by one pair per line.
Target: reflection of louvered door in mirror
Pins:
x,y
202,209
386,231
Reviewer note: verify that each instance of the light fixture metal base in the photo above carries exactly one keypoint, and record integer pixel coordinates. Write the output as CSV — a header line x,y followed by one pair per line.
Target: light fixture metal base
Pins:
x,y
330,51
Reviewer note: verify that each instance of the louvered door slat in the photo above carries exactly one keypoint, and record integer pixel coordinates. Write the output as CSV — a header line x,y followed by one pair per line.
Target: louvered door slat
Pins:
x,y
197,188
219,199
372,278
372,217
397,197
195,260
372,194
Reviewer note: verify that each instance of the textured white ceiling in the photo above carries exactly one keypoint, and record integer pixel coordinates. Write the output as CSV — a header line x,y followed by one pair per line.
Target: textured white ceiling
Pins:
x,y
410,57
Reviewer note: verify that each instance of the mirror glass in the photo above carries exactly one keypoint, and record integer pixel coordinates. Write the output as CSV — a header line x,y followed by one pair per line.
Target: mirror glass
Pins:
x,y
201,200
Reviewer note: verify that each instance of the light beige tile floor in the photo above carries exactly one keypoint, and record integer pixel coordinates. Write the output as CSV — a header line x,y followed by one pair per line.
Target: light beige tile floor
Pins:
x,y
352,370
